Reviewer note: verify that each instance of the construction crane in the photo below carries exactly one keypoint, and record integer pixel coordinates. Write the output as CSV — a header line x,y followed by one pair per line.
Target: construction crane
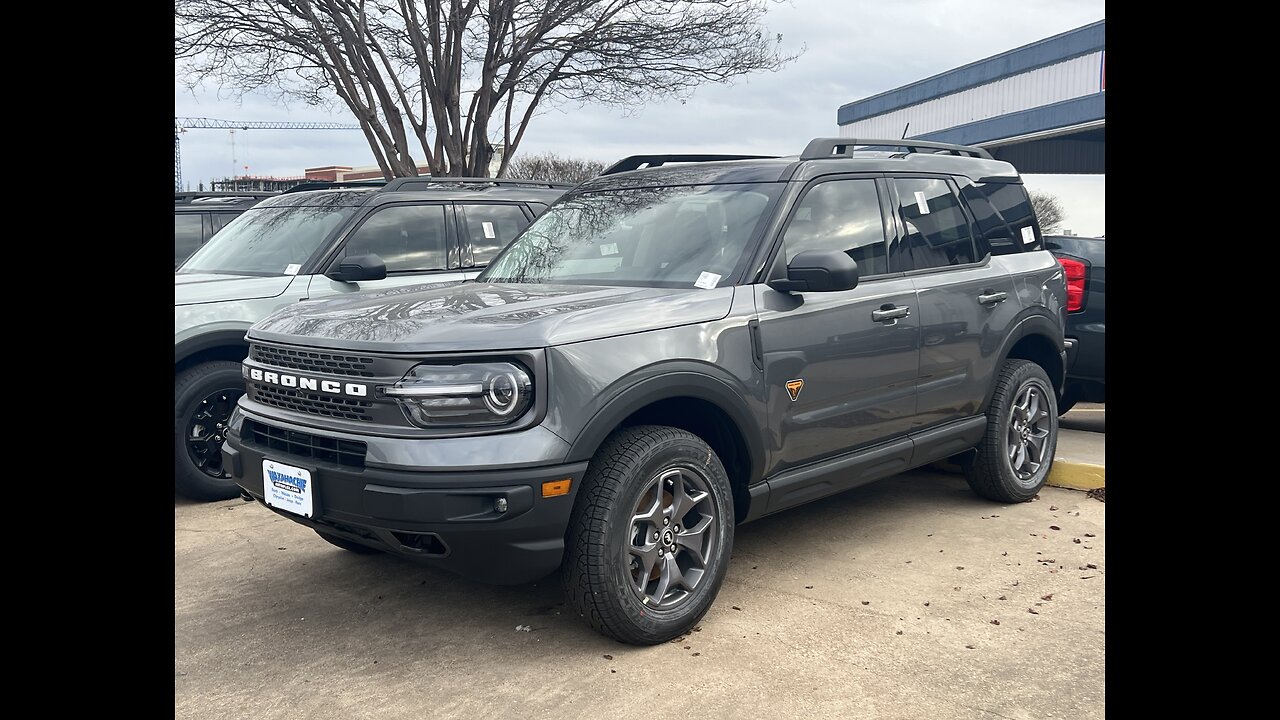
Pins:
x,y
183,124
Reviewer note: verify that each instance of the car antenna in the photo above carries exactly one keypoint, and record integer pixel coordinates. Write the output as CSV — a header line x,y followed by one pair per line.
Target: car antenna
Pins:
x,y
904,129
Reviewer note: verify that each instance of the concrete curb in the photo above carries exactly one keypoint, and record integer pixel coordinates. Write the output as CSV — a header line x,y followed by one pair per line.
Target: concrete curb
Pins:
x,y
1065,474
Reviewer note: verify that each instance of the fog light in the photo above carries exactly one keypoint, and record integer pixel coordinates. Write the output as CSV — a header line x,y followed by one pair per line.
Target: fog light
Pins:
x,y
553,488
500,505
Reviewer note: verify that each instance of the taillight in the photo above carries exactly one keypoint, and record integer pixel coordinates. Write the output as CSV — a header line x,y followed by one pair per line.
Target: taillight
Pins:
x,y
1076,272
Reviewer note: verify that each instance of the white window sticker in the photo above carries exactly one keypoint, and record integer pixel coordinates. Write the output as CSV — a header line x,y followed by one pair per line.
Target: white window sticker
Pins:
x,y
707,281
488,230
609,249
1028,235
922,203
292,269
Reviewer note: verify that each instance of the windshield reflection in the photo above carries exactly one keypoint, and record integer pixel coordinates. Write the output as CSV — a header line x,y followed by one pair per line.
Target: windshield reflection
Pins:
x,y
268,240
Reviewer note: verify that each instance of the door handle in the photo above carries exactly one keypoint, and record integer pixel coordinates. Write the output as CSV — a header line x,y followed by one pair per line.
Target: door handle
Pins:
x,y
992,298
889,313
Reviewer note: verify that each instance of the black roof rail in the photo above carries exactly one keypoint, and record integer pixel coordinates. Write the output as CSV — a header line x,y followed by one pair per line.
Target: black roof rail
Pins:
x,y
330,185
186,196
820,148
427,182
635,162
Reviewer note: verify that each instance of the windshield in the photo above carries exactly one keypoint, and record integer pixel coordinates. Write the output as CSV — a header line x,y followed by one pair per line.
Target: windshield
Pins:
x,y
684,236
267,241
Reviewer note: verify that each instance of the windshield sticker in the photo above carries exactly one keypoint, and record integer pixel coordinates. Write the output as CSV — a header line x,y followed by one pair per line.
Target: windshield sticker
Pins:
x,y
1028,235
292,269
707,281
609,249
921,203
488,230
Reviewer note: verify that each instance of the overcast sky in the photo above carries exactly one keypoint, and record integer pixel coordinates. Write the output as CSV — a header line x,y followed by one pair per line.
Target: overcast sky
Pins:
x,y
853,49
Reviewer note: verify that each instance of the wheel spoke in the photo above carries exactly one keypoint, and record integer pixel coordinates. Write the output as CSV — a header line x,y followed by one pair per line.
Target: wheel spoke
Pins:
x,y
665,579
1036,440
679,498
1033,405
653,515
648,555
692,539
1021,457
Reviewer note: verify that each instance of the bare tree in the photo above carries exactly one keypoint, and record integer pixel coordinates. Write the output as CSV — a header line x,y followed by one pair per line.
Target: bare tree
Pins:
x,y
456,77
552,167
1049,211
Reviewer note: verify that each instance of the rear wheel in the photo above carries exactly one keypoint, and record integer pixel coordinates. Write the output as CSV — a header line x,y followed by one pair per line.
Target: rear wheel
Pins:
x,y
204,396
650,536
1016,452
347,545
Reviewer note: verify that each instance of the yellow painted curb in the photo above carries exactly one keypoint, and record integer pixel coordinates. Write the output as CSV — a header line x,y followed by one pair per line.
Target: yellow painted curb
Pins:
x,y
1077,476
1065,474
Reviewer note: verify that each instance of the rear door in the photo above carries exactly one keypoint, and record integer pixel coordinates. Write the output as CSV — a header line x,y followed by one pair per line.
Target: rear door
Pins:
x,y
417,241
840,367
485,228
966,302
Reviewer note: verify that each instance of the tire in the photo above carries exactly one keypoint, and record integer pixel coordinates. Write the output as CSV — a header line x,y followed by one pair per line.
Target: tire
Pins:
x,y
993,474
347,545
211,389
603,577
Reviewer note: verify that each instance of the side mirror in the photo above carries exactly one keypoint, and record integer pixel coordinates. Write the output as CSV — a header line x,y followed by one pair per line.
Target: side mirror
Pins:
x,y
819,271
355,268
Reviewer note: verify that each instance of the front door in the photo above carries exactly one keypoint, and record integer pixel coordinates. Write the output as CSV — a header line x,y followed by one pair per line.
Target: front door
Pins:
x,y
840,367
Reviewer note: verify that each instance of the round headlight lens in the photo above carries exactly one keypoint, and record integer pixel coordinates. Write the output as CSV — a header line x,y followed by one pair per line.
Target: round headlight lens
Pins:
x,y
503,396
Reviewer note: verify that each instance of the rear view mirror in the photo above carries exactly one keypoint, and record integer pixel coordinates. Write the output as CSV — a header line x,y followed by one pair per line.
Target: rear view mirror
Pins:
x,y
819,271
355,268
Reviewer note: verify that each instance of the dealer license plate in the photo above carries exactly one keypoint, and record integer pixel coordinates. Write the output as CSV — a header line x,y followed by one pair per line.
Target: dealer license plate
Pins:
x,y
287,487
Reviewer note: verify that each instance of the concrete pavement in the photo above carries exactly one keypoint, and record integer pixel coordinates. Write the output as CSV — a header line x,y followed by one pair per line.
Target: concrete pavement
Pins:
x,y
881,602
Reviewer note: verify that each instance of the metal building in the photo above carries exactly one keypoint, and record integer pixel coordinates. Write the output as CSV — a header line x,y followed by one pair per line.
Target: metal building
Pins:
x,y
1041,106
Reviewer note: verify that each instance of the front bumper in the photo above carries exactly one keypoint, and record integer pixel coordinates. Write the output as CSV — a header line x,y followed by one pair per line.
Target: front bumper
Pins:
x,y
447,519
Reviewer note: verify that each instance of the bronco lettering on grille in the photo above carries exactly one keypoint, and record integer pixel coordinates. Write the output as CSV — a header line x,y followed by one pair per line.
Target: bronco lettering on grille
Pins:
x,y
332,387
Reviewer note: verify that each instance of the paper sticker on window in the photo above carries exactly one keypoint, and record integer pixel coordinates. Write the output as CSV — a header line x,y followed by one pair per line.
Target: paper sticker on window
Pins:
x,y
292,269
707,281
1028,235
488,230
609,249
921,203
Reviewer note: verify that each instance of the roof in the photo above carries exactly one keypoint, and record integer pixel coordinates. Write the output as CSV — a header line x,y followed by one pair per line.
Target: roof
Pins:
x,y
357,196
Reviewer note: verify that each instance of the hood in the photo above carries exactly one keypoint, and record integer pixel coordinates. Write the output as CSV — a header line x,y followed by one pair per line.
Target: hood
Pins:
x,y
205,288
488,316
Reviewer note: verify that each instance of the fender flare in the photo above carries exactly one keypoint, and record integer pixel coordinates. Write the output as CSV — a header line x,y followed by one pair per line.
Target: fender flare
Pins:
x,y
205,341
663,382
1037,323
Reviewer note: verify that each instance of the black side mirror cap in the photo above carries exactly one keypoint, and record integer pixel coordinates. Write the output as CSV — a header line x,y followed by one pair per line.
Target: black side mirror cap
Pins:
x,y
819,271
355,268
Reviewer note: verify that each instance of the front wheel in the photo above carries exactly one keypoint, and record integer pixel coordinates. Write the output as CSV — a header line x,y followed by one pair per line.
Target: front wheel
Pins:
x,y
204,396
1016,452
650,536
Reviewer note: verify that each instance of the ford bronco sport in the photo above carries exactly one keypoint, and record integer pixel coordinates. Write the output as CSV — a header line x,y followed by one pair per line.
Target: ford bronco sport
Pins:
x,y
668,352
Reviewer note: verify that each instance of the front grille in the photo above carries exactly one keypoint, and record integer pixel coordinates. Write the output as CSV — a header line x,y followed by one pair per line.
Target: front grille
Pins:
x,y
312,403
331,450
319,362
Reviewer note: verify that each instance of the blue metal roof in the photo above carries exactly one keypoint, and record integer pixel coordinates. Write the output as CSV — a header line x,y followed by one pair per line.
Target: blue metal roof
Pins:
x,y
1056,49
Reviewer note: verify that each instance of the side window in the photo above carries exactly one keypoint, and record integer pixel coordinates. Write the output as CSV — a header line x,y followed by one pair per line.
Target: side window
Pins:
x,y
840,215
936,228
220,220
1014,205
188,233
408,238
491,227
993,236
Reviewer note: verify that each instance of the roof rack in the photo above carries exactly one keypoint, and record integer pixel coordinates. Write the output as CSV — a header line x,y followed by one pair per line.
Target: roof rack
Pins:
x,y
635,162
428,182
329,185
820,148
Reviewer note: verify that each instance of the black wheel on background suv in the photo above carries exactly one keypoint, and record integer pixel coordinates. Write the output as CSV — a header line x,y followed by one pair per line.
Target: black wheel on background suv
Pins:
x,y
650,536
204,396
1016,453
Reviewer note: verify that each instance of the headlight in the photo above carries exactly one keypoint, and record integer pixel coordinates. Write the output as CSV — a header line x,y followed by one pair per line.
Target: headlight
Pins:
x,y
470,394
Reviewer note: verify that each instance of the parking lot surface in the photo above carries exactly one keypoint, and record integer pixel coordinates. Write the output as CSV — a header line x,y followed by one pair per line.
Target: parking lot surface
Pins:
x,y
907,598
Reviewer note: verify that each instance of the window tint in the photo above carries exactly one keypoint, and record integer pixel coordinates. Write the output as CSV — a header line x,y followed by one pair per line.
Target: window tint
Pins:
x,y
1013,204
840,215
491,228
220,220
406,237
993,236
937,231
188,233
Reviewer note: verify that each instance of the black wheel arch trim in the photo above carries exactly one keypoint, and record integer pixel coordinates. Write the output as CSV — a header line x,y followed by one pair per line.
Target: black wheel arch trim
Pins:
x,y
207,341
1037,322
664,382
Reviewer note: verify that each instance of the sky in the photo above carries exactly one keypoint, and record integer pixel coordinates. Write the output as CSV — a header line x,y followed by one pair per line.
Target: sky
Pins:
x,y
851,49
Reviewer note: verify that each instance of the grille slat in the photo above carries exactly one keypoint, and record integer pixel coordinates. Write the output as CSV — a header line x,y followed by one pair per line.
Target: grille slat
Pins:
x,y
328,363
350,453
313,403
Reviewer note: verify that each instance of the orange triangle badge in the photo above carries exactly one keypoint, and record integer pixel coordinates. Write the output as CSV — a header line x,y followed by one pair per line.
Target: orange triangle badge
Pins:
x,y
794,387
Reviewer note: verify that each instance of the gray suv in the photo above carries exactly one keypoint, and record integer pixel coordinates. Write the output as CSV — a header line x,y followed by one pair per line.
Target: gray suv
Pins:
x,y
316,241
678,346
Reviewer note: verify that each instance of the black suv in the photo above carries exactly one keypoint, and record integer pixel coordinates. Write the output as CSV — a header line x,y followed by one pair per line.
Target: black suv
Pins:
x,y
198,215
669,351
